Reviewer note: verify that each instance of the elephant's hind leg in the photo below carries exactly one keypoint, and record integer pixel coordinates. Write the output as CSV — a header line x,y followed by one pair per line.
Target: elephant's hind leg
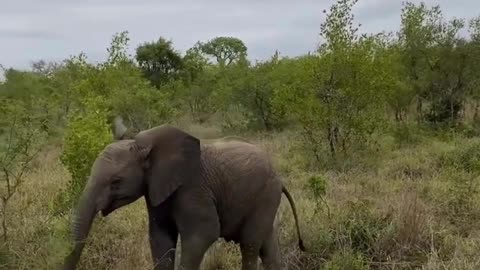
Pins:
x,y
194,247
257,230
270,253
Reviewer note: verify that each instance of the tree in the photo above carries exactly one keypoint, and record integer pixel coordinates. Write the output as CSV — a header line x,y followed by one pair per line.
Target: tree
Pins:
x,y
256,93
45,68
65,82
199,95
159,61
225,50
194,64
117,52
473,62
206,88
435,61
22,140
24,84
402,93
416,36
34,90
345,100
114,88
447,67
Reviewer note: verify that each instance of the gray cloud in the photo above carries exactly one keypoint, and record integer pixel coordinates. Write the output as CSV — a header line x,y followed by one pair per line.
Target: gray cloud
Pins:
x,y
28,34
55,29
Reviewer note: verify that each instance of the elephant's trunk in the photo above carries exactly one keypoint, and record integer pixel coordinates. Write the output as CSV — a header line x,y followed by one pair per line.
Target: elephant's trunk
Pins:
x,y
86,211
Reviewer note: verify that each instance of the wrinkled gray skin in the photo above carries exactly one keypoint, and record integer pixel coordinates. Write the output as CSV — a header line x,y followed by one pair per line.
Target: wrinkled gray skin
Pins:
x,y
226,188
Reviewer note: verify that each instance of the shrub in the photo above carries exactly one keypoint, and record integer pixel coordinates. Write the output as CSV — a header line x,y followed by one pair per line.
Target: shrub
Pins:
x,y
87,134
318,186
406,134
465,157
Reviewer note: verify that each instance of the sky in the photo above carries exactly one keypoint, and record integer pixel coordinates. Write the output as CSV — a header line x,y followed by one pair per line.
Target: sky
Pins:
x,y
53,30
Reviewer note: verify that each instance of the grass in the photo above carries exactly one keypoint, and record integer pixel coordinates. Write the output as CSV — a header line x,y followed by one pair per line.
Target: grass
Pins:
x,y
412,207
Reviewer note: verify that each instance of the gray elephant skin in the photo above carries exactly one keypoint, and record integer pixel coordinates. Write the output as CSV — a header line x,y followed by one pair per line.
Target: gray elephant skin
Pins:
x,y
202,192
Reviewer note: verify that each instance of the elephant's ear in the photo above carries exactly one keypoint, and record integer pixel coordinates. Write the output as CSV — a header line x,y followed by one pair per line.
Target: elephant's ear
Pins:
x,y
173,161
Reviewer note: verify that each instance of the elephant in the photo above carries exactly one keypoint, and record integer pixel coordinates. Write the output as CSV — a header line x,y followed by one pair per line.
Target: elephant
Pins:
x,y
200,192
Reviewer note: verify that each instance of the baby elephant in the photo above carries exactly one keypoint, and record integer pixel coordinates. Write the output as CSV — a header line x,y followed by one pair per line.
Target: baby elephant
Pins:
x,y
226,188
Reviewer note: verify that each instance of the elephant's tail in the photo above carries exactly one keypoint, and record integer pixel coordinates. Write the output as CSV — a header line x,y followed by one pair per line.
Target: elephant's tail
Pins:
x,y
294,210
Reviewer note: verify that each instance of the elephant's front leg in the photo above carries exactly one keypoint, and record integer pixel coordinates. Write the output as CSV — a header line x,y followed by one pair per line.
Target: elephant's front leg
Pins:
x,y
199,228
163,241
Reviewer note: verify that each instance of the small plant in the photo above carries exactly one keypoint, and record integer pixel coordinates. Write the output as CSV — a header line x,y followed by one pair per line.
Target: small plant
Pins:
x,y
318,185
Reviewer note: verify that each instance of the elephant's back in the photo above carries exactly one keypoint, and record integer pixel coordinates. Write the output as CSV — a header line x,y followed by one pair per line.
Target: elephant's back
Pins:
x,y
224,140
240,156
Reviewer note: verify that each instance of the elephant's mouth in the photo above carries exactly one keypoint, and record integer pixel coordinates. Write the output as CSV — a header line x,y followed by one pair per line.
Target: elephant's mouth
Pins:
x,y
105,212
115,204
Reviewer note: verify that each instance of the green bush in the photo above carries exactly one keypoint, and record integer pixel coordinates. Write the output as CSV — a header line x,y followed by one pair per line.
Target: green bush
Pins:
x,y
342,99
465,157
87,134
128,94
405,133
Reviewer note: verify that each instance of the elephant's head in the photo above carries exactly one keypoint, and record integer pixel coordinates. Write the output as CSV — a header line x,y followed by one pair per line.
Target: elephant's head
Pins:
x,y
153,163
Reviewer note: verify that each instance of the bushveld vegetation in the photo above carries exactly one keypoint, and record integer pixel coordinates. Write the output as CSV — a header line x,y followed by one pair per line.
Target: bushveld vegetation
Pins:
x,y
376,135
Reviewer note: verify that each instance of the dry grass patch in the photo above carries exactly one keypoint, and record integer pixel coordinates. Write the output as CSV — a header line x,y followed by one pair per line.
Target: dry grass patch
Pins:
x,y
417,208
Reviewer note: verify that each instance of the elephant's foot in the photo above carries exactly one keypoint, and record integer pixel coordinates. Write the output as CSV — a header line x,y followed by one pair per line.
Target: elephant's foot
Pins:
x,y
249,256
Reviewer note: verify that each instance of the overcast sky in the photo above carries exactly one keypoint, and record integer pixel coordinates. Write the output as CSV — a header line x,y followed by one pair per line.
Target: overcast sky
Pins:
x,y
55,29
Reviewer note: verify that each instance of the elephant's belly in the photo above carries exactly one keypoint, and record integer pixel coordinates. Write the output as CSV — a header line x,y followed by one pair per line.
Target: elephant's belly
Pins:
x,y
230,227
230,232
246,206
235,240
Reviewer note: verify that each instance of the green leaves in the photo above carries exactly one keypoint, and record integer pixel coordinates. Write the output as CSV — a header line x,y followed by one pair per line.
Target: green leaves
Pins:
x,y
256,93
338,30
159,61
117,52
116,87
435,60
87,134
347,85
225,50
338,98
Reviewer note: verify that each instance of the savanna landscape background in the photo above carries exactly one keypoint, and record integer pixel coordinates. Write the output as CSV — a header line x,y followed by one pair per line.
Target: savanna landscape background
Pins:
x,y
376,136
